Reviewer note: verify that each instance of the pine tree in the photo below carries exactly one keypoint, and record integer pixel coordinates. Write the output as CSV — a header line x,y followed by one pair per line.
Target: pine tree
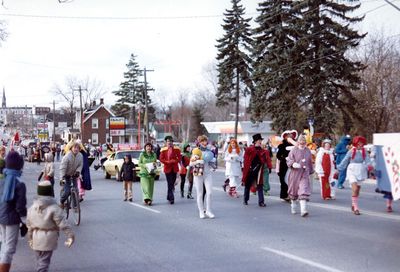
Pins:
x,y
275,51
197,118
330,76
234,70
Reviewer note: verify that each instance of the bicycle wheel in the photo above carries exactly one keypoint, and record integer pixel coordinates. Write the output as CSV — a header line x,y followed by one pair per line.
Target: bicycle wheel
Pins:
x,y
75,207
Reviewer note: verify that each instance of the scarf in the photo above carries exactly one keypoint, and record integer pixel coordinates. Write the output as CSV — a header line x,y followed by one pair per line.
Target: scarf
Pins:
x,y
10,181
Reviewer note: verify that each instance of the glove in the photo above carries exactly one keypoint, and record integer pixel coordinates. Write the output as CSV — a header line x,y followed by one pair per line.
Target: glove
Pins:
x,y
296,165
270,170
68,243
30,243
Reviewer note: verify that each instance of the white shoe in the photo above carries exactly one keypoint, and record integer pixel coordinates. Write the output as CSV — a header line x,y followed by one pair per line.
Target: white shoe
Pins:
x,y
293,206
303,208
210,214
202,215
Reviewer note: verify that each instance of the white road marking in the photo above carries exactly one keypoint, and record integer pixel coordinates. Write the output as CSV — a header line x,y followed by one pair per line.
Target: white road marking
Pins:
x,y
302,260
334,207
144,207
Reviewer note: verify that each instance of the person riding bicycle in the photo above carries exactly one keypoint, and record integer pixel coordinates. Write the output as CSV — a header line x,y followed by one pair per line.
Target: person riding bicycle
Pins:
x,y
70,170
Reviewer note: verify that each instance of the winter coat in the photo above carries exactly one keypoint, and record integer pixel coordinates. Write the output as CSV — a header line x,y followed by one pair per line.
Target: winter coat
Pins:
x,y
128,172
44,221
12,211
86,180
282,154
170,163
232,163
146,158
71,164
249,155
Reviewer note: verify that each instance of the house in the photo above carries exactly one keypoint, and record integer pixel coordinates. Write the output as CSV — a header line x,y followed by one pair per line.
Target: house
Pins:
x,y
96,124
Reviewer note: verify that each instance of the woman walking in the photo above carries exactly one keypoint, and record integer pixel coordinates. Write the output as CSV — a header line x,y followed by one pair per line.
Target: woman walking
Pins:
x,y
128,175
233,160
147,161
185,172
325,168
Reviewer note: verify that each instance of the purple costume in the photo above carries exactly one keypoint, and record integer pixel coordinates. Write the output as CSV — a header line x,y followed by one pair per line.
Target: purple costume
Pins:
x,y
299,178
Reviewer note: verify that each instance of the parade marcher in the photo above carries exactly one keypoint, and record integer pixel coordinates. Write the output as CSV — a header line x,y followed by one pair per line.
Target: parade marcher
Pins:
x,y
267,169
109,151
282,154
70,170
233,169
185,172
224,149
12,208
146,159
2,159
48,171
170,156
341,151
44,221
358,163
128,175
300,163
202,162
253,170
325,168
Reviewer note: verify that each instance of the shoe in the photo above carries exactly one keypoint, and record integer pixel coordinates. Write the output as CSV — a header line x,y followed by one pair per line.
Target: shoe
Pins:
x,y
389,209
182,194
81,199
146,201
262,204
189,196
304,214
202,215
149,203
356,212
209,214
62,206
224,187
245,203
125,199
171,202
286,199
266,193
340,187
96,167
130,200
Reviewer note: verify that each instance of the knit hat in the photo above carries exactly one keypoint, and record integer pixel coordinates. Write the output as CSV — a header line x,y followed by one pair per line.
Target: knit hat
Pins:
x,y
14,161
45,188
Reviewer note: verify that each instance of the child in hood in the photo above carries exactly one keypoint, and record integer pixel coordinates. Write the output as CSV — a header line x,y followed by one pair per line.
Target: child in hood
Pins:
x,y
44,221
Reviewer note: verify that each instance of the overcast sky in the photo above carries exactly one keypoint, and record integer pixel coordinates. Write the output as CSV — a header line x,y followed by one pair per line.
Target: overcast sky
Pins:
x,y
176,38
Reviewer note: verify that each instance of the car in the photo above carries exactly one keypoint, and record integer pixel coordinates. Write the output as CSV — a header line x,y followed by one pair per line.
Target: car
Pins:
x,y
113,164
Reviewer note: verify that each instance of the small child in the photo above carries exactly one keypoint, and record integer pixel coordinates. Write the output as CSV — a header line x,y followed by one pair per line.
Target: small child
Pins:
x,y
128,175
44,221
48,170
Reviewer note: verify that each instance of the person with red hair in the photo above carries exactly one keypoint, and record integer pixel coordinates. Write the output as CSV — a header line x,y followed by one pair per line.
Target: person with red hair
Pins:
x,y
358,164
233,159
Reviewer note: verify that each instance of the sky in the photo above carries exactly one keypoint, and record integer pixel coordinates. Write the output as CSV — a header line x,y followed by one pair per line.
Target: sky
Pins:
x,y
175,38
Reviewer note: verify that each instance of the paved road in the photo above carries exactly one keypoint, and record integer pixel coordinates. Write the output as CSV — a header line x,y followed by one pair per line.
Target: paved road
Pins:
x,y
120,236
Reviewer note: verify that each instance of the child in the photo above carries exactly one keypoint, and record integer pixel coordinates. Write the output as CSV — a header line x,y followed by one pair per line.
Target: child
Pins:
x,y
48,171
128,175
44,221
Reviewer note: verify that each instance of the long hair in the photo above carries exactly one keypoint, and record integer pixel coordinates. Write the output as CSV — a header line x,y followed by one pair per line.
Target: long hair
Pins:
x,y
230,147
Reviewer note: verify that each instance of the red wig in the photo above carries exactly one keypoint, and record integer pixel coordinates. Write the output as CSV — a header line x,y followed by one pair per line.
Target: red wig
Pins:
x,y
230,146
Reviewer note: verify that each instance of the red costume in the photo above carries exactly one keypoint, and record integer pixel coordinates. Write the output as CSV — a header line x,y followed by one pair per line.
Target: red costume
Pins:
x,y
325,182
170,157
249,156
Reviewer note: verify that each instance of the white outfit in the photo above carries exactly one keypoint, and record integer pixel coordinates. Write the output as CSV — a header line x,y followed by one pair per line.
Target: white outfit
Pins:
x,y
198,182
233,169
320,171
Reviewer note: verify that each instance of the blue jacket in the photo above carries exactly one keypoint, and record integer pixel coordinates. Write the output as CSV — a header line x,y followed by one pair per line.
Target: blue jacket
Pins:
x,y
341,149
12,211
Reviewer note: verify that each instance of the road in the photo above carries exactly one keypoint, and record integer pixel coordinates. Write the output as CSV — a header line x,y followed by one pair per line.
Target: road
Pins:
x,y
122,236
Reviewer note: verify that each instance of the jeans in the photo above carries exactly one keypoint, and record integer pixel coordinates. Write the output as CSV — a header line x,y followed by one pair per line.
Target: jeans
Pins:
x,y
67,188
260,190
171,178
9,240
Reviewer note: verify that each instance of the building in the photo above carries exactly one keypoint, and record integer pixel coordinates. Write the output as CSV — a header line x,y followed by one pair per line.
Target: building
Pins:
x,y
220,131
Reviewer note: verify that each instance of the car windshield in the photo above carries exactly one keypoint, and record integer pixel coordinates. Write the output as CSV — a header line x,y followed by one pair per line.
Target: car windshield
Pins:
x,y
134,154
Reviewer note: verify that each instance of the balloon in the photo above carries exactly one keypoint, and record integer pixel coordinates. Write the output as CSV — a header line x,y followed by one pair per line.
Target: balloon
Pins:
x,y
208,156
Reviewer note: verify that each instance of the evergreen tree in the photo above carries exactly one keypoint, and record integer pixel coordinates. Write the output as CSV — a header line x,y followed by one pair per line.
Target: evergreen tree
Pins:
x,y
330,76
277,92
197,118
234,71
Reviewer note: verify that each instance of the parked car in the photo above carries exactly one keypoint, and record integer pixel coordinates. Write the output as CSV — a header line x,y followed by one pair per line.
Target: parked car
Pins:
x,y
113,164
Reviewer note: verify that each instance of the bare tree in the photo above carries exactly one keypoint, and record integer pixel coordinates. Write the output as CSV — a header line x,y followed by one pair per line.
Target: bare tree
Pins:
x,y
380,89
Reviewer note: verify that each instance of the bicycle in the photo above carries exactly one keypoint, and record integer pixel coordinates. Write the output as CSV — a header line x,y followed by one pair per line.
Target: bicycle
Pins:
x,y
73,199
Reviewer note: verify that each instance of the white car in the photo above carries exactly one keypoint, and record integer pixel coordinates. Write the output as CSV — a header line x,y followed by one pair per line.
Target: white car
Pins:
x,y
113,164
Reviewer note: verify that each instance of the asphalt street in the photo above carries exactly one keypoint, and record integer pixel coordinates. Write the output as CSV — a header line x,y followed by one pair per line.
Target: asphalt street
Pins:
x,y
122,236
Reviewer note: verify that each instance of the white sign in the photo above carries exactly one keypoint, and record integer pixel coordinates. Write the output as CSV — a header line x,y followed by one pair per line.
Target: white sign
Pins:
x,y
117,132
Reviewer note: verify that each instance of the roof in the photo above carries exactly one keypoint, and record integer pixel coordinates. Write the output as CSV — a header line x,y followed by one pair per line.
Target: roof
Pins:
x,y
91,112
244,127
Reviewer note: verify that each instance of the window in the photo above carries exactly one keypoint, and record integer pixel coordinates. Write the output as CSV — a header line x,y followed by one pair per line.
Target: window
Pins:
x,y
95,138
107,123
95,123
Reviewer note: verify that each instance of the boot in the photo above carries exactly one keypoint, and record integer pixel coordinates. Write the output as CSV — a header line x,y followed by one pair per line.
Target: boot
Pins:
x,y
303,208
189,196
293,206
5,267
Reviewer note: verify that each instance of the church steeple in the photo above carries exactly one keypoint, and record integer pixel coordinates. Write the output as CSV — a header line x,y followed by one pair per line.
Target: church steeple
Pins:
x,y
3,103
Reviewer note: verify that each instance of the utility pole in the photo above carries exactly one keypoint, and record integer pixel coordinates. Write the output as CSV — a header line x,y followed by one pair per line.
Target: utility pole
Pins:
x,y
54,122
146,116
81,107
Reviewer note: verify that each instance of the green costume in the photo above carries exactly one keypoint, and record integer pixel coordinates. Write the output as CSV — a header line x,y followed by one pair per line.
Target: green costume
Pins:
x,y
146,179
266,185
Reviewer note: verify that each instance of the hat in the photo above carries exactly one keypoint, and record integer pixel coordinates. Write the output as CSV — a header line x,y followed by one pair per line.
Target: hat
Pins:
x,y
359,139
291,133
14,161
45,188
169,137
326,141
302,137
257,137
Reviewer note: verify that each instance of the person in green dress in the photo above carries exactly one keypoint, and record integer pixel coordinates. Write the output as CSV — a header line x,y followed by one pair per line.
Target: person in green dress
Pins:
x,y
147,174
